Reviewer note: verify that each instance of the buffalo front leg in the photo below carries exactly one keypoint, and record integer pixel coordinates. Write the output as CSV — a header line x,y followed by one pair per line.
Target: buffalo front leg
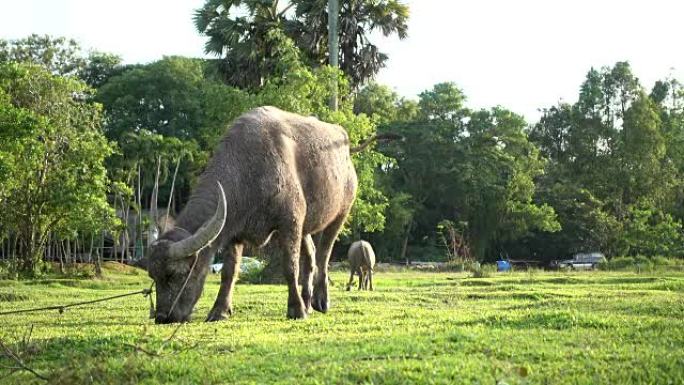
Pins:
x,y
223,306
308,255
351,280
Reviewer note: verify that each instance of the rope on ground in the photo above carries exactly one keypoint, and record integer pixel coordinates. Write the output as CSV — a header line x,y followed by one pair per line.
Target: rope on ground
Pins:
x,y
61,308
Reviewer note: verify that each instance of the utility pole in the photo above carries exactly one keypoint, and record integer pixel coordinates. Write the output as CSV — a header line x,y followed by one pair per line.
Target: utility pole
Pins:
x,y
333,44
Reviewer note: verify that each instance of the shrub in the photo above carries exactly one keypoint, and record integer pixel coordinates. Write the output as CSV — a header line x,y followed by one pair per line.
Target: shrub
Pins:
x,y
662,261
8,270
455,266
620,263
79,270
253,274
482,271
642,263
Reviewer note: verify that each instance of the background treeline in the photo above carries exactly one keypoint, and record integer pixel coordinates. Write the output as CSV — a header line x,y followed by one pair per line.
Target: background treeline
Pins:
x,y
602,174
94,154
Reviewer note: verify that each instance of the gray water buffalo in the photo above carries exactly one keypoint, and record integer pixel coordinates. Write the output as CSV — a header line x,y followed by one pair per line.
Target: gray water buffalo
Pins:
x,y
361,262
274,177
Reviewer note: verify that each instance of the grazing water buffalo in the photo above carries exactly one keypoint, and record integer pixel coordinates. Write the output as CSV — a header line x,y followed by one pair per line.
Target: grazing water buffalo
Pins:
x,y
361,261
274,177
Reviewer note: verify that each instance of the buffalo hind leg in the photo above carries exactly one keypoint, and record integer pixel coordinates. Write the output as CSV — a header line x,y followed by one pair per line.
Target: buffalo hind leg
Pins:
x,y
362,279
370,279
308,255
327,238
290,245
223,306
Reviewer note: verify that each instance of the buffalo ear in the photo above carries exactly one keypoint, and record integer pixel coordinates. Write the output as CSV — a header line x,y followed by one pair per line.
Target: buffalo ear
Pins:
x,y
141,263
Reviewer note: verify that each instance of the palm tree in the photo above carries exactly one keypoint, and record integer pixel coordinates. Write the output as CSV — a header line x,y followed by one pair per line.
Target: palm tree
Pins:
x,y
360,60
238,32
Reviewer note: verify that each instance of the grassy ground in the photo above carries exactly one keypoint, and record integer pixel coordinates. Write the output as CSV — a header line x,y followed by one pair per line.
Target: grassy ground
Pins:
x,y
426,328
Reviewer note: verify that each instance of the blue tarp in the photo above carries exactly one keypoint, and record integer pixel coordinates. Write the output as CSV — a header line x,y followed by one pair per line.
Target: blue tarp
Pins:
x,y
503,266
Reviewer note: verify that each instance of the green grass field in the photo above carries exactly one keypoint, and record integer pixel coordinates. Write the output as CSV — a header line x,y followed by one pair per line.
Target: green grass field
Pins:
x,y
416,328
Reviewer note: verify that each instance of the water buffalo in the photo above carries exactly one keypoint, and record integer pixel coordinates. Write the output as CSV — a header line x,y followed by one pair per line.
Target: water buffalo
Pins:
x,y
274,177
361,262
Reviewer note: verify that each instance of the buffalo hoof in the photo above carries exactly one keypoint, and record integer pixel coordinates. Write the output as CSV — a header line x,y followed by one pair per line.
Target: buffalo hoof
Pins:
x,y
296,312
321,303
219,315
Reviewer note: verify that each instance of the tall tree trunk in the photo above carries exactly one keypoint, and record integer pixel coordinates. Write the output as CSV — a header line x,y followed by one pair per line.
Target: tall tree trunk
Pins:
x,y
68,256
152,229
98,257
333,44
124,244
76,253
140,221
60,252
48,248
115,234
90,252
126,235
404,246
14,250
168,205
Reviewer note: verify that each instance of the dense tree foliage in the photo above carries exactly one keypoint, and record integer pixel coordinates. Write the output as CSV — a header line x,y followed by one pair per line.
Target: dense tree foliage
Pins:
x,y
614,174
471,170
237,32
52,154
601,174
62,57
360,59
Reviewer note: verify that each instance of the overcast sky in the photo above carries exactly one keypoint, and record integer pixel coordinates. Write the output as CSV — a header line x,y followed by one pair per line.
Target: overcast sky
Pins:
x,y
524,54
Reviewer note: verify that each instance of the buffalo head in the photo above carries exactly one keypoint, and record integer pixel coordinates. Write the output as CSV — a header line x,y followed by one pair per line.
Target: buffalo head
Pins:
x,y
170,264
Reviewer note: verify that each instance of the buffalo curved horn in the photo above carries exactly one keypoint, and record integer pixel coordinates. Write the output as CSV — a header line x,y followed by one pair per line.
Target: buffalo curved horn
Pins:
x,y
205,234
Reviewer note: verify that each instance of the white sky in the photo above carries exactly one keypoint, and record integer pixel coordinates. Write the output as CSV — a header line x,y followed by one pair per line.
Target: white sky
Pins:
x,y
523,55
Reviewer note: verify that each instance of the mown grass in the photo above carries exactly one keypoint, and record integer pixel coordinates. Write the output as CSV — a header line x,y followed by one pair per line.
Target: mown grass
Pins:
x,y
417,327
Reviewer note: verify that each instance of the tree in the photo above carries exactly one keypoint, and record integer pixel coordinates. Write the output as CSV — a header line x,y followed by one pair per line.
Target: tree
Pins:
x,y
476,169
652,232
360,60
53,154
384,105
643,152
238,30
585,223
613,149
158,114
443,103
99,67
497,185
61,56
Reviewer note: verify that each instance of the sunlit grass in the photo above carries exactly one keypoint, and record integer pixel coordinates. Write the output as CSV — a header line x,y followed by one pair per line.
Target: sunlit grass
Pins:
x,y
417,327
